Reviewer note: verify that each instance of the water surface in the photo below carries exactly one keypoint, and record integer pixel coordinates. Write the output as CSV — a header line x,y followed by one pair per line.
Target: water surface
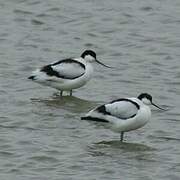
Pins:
x,y
42,136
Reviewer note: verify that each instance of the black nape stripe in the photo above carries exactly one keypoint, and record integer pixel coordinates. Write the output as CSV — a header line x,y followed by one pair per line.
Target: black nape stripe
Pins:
x,y
94,119
128,100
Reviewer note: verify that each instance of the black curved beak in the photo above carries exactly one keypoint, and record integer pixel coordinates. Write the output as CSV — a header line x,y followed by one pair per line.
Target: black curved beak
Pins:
x,y
158,106
103,64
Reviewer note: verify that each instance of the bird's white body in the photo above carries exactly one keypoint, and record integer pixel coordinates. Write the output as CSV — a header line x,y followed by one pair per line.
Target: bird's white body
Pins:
x,y
140,119
74,75
123,109
125,114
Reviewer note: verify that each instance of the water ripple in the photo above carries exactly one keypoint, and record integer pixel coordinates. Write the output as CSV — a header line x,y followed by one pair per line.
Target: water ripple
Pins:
x,y
41,134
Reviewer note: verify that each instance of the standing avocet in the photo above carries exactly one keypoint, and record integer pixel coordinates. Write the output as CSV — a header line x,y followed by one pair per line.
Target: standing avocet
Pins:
x,y
67,74
124,114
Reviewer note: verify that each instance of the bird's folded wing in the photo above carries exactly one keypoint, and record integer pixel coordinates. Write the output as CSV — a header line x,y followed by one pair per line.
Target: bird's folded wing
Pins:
x,y
122,109
66,69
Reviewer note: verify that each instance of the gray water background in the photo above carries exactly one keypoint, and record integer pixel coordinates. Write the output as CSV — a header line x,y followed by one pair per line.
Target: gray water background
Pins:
x,y
42,136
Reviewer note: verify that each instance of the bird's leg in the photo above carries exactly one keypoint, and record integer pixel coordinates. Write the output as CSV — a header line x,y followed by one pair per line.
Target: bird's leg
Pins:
x,y
121,136
71,92
61,93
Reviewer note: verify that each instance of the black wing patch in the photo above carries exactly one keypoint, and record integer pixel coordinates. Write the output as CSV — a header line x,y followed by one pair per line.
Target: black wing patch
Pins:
x,y
48,69
102,109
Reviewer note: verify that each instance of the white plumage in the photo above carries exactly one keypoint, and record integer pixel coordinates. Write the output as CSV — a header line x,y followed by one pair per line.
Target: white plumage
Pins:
x,y
124,114
121,109
70,70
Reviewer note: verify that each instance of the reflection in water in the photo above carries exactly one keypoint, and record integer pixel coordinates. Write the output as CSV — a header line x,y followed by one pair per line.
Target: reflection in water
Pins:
x,y
124,146
70,103
116,148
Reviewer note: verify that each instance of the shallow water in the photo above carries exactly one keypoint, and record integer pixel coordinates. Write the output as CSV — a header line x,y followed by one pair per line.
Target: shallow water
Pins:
x,y
42,136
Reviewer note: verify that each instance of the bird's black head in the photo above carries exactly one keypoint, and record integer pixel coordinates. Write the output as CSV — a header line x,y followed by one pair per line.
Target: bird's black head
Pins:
x,y
88,52
147,99
145,96
90,56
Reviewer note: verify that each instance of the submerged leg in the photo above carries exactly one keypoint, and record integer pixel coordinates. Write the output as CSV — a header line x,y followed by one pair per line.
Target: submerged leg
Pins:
x,y
121,136
71,92
61,93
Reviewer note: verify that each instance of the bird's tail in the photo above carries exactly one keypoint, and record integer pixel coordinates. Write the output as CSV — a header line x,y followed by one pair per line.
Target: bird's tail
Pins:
x,y
35,75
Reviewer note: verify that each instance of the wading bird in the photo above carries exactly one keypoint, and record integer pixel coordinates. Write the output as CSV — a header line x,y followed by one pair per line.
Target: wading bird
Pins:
x,y
123,115
67,74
